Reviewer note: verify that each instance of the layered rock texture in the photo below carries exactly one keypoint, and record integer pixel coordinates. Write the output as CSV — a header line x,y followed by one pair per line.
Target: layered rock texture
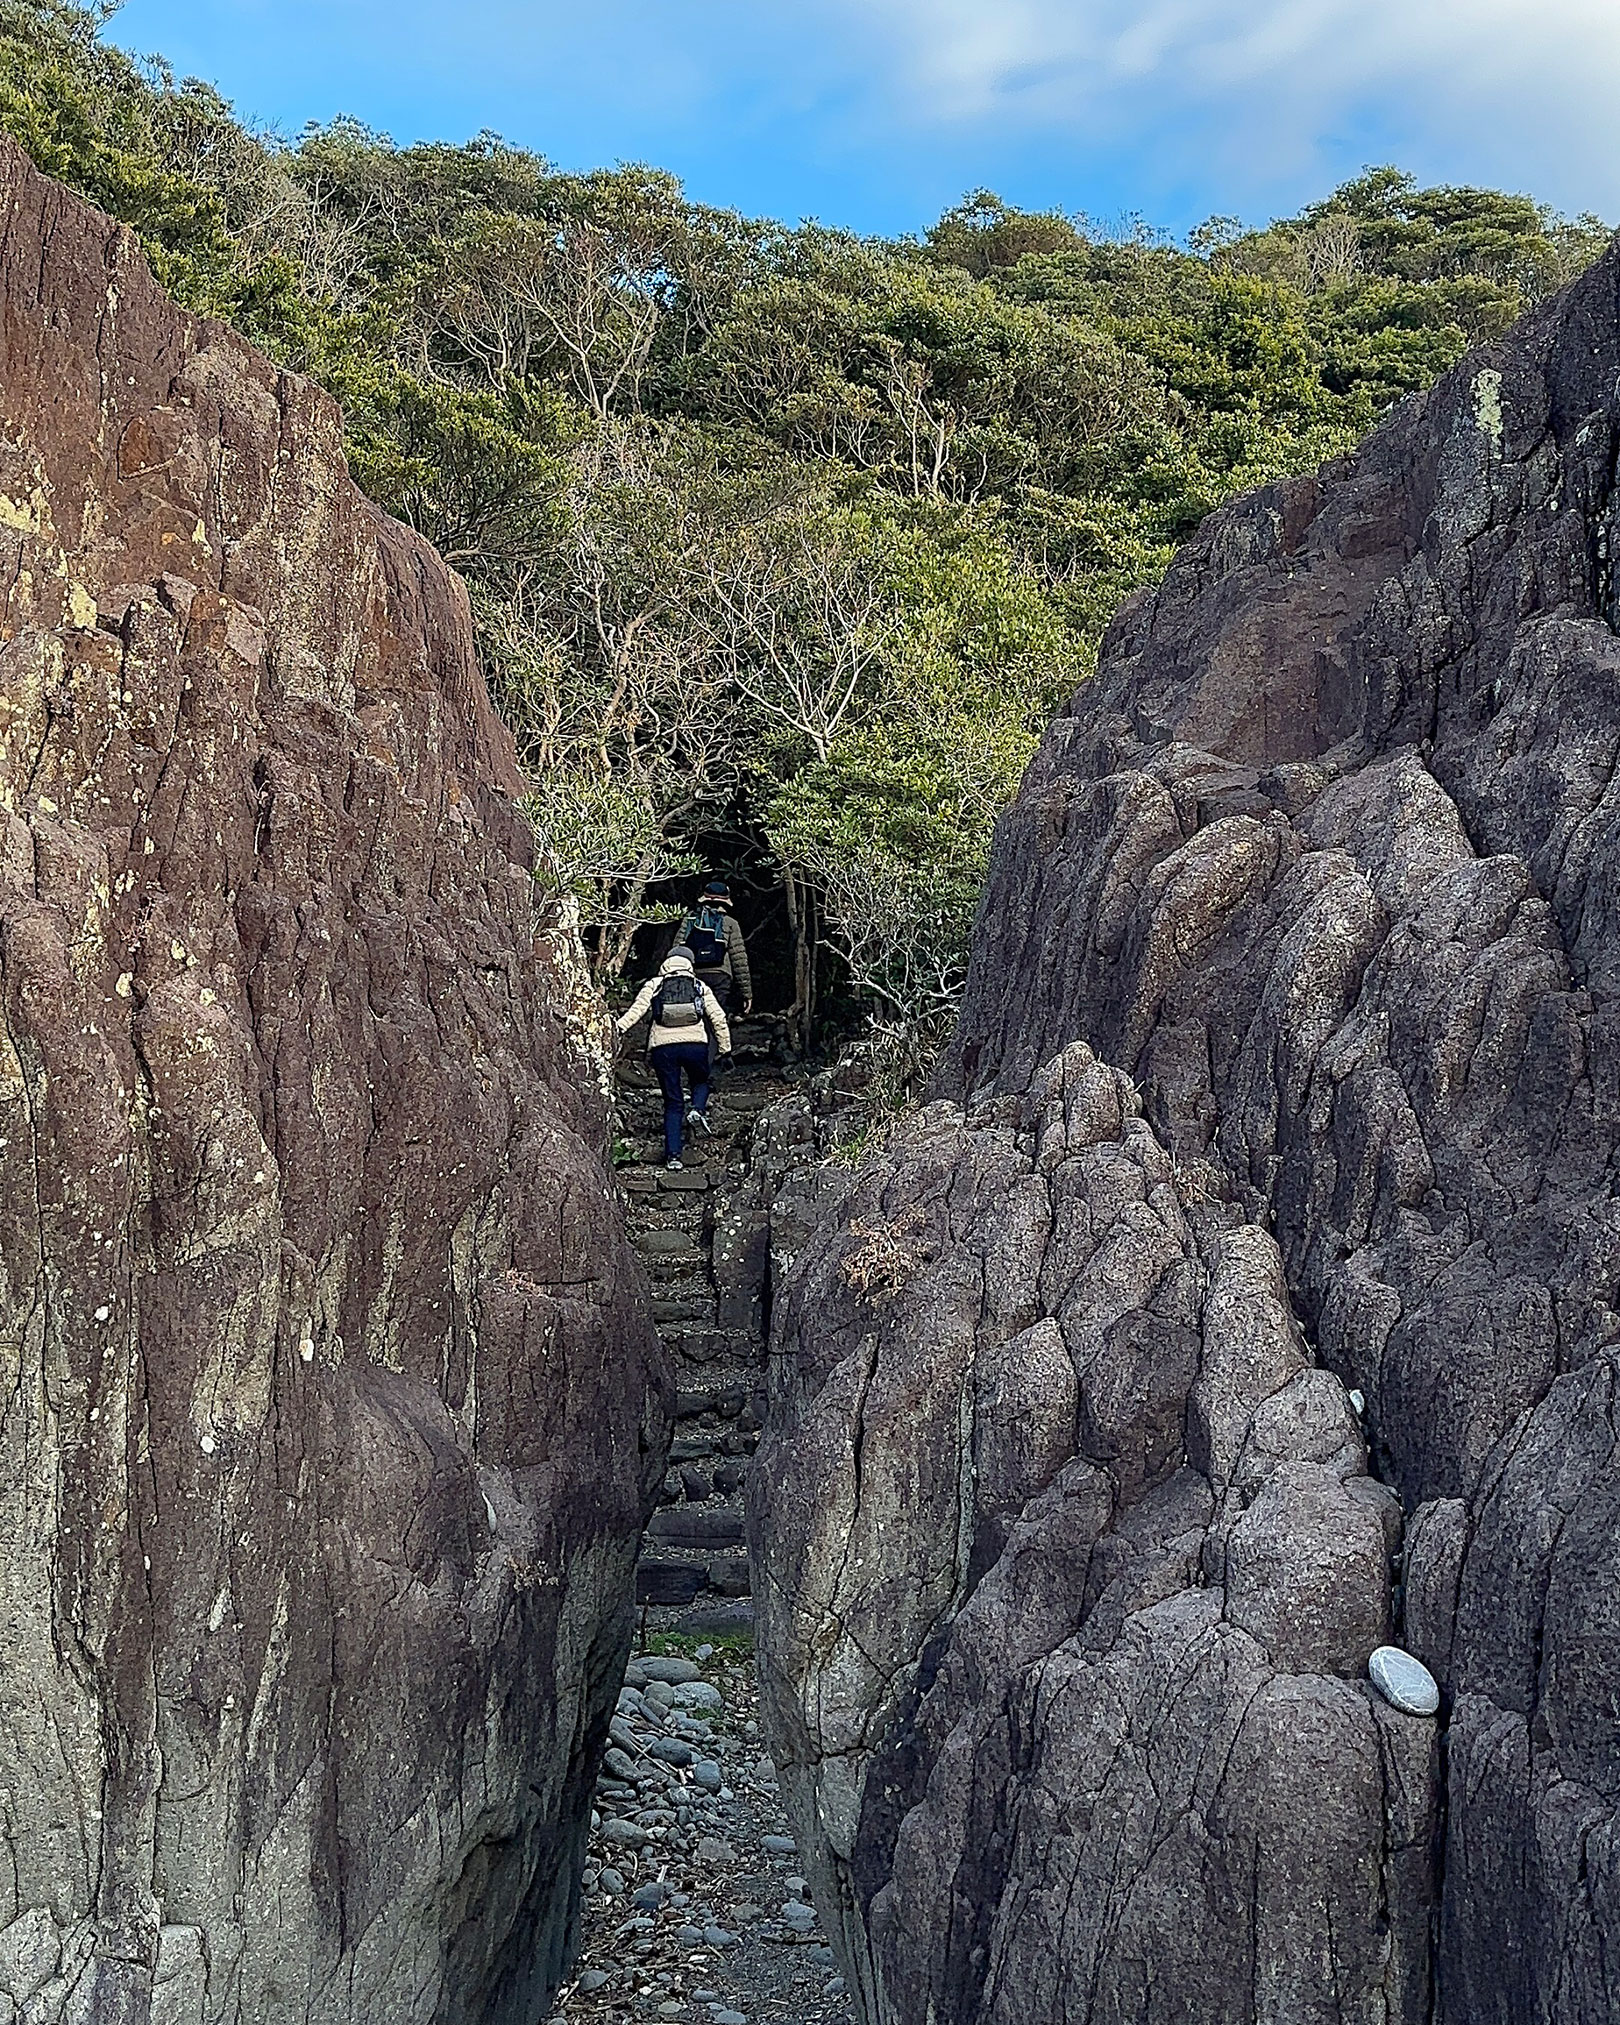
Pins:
x,y
331,1407
1287,1072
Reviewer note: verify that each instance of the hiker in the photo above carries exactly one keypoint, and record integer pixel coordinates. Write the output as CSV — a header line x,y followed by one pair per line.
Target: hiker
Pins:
x,y
719,953
684,1014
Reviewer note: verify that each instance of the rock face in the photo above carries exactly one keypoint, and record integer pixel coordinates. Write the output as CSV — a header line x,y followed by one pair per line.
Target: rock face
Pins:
x,y
331,1408
1069,1568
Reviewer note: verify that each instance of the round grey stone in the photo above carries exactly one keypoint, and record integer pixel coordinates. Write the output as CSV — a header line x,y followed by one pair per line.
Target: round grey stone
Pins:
x,y
672,1672
1404,1682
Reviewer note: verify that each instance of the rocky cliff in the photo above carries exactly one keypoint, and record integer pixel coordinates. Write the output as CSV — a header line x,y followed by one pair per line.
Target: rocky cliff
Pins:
x,y
330,1408
1251,1296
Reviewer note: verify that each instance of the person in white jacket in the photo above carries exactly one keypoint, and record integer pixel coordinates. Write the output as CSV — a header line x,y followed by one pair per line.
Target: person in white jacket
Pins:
x,y
684,1013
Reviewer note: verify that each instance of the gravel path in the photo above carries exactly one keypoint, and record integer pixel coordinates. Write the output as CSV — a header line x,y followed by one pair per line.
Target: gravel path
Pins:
x,y
694,1907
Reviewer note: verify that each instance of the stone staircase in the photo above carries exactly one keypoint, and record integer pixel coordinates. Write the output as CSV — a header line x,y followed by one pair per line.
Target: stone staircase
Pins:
x,y
695,1233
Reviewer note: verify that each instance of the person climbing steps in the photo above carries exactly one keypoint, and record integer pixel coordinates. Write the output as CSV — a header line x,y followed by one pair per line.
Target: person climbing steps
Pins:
x,y
719,952
686,1017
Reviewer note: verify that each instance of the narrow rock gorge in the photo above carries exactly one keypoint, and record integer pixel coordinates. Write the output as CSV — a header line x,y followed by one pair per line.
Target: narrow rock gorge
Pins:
x,y
332,1407
1248,1297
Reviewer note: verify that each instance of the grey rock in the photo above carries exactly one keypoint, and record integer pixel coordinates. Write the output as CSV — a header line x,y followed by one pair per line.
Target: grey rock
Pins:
x,y
671,1750
1133,1615
1306,919
699,1694
669,1672
611,1881
721,1937
707,1775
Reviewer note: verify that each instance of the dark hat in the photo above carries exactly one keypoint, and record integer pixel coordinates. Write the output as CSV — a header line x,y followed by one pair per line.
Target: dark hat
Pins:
x,y
717,886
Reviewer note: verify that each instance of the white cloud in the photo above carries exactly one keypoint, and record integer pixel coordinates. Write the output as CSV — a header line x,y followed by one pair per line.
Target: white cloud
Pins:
x,y
1263,83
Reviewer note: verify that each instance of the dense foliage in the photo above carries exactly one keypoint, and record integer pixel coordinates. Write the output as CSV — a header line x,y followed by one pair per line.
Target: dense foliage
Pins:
x,y
779,533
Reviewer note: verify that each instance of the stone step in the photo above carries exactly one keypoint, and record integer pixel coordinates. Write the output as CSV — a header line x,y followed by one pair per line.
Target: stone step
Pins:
x,y
674,1582
708,1345
666,1267
705,1474
673,1308
727,1401
706,1527
667,1244
667,1212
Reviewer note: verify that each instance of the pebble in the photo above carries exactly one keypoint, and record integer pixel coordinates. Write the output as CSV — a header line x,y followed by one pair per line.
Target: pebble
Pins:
x,y
680,1881
729,2018
1404,1682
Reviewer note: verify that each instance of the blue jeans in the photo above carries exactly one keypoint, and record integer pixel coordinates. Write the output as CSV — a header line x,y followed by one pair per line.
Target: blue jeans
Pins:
x,y
670,1062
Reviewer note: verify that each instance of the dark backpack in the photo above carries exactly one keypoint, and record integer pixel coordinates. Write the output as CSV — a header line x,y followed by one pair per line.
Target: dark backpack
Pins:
x,y
678,1002
707,940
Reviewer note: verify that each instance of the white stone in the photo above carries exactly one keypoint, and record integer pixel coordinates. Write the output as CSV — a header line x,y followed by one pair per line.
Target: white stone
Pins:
x,y
208,1444
1404,1682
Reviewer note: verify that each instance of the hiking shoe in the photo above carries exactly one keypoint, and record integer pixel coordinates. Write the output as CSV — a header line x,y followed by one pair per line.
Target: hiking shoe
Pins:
x,y
697,1121
672,1167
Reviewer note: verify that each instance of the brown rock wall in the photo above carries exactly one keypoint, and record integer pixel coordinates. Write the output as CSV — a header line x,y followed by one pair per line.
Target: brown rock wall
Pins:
x,y
329,1404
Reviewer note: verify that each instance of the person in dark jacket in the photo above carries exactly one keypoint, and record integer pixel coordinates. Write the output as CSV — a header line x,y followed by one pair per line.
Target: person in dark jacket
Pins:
x,y
719,953
685,1012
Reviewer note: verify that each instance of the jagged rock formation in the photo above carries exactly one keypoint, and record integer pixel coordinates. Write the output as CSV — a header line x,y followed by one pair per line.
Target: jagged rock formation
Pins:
x,y
331,1405
1323,866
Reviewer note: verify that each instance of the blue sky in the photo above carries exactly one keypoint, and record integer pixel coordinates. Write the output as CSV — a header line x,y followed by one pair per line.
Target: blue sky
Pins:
x,y
877,114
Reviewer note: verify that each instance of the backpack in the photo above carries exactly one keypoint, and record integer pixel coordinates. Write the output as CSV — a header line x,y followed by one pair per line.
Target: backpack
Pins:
x,y
707,940
678,1002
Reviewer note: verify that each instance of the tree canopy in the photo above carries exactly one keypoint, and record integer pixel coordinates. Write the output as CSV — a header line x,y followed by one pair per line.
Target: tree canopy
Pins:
x,y
778,531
